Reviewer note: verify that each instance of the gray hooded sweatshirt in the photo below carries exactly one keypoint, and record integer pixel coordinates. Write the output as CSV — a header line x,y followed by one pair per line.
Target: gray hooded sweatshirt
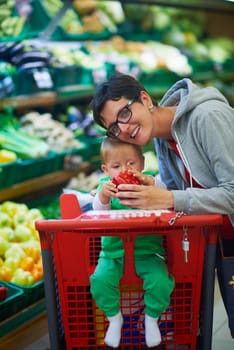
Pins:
x,y
203,128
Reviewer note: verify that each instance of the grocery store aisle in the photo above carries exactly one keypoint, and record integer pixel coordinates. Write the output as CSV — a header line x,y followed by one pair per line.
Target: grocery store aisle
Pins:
x,y
221,335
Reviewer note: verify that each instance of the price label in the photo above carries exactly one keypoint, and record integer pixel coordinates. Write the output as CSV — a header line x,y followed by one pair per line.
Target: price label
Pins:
x,y
43,79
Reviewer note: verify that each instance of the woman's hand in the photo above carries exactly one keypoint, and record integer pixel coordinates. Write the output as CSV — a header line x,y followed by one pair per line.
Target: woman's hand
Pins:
x,y
143,178
145,197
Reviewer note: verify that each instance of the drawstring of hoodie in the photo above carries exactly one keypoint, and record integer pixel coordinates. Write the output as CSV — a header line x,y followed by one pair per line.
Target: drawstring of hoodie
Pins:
x,y
188,173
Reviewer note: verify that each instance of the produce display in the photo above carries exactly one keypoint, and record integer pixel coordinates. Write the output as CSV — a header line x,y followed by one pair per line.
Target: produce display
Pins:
x,y
55,134
35,135
81,122
149,55
151,42
22,144
19,143
20,251
87,16
149,37
11,24
85,182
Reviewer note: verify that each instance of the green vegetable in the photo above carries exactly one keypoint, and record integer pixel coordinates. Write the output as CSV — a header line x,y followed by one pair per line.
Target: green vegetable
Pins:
x,y
8,120
24,145
19,25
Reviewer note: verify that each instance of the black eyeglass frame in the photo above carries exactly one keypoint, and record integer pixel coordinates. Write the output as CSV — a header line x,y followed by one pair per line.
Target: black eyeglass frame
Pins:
x,y
114,126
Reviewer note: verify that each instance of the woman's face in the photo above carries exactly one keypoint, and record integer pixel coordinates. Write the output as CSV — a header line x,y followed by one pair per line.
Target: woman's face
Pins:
x,y
138,129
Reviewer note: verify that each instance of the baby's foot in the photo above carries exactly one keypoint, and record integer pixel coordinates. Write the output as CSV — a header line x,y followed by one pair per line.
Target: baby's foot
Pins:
x,y
152,331
113,334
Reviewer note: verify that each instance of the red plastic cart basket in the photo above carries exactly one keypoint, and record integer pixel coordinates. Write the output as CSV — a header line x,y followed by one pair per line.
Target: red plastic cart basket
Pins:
x,y
70,249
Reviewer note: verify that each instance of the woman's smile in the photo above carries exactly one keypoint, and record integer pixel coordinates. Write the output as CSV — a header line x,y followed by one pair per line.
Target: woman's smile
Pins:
x,y
135,132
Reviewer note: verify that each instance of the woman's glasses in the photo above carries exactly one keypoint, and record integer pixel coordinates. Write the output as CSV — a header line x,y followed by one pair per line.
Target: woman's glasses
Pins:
x,y
123,117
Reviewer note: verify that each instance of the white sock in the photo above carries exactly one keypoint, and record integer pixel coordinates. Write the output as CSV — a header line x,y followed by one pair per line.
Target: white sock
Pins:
x,y
152,331
113,334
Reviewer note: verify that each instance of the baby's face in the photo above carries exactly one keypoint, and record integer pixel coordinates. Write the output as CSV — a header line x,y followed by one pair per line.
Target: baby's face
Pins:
x,y
121,158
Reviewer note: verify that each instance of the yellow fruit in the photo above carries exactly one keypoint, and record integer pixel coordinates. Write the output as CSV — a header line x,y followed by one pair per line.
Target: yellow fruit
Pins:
x,y
4,245
12,208
15,250
22,277
27,263
22,233
33,252
5,219
12,262
7,233
7,156
5,273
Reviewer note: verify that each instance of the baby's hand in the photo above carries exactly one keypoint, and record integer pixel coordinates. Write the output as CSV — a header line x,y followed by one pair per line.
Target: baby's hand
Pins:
x,y
107,191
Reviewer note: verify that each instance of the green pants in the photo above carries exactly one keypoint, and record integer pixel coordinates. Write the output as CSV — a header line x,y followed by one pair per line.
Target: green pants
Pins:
x,y
157,284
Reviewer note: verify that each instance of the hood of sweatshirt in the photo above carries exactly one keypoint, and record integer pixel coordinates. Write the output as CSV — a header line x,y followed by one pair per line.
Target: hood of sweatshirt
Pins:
x,y
186,95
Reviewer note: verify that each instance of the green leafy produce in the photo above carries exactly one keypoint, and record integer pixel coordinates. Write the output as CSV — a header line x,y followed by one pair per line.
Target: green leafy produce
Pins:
x,y
13,139
51,211
24,145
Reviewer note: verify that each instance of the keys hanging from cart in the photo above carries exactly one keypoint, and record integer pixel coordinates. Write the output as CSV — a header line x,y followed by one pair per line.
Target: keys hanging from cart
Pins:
x,y
185,244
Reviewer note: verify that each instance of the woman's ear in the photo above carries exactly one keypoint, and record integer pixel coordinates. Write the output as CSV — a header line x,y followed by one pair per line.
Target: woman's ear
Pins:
x,y
145,98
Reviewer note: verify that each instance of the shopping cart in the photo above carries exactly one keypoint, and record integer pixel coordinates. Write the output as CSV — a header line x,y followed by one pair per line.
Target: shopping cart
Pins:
x,y
70,249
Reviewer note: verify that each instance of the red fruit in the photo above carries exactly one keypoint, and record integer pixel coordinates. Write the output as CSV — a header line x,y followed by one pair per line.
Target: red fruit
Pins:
x,y
125,177
3,293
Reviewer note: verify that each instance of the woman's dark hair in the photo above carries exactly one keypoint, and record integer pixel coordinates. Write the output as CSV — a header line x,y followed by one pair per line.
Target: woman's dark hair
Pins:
x,y
119,85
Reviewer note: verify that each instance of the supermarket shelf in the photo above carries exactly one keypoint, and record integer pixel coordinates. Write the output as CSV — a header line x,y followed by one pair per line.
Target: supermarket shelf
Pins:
x,y
44,99
74,91
26,326
211,6
40,99
37,184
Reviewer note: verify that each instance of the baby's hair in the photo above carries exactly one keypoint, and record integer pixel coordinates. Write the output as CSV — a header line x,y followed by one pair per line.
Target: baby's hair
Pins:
x,y
109,143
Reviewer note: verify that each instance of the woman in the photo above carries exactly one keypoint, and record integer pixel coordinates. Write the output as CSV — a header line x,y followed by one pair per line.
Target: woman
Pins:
x,y
192,129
